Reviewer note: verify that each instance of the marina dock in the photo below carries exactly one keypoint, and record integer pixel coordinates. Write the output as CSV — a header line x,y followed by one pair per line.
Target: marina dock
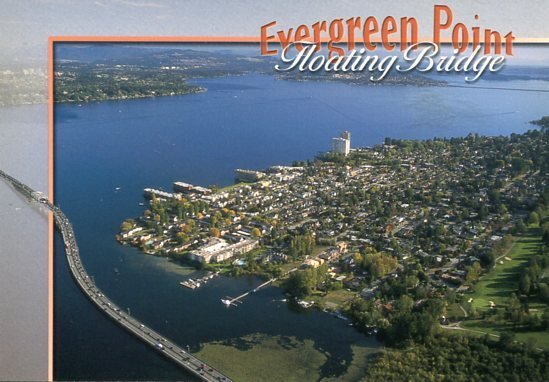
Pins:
x,y
197,283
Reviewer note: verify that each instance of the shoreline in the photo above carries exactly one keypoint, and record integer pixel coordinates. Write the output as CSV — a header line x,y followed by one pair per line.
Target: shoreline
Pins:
x,y
199,90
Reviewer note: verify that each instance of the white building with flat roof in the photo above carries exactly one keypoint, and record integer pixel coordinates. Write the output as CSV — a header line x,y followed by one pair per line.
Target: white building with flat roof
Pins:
x,y
217,250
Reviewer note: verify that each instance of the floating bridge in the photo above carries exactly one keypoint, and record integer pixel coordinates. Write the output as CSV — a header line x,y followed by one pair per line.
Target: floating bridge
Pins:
x,y
152,338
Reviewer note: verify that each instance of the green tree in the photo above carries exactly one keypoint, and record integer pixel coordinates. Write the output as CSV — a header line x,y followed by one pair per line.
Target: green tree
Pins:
x,y
182,238
379,264
524,283
299,284
544,292
473,272
404,304
520,227
506,339
514,308
533,218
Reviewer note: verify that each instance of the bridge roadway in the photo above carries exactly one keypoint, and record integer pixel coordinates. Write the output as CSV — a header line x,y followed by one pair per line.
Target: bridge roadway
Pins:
x,y
166,347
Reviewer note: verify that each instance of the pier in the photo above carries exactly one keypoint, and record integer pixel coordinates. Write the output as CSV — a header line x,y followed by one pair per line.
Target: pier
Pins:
x,y
196,283
234,301
168,348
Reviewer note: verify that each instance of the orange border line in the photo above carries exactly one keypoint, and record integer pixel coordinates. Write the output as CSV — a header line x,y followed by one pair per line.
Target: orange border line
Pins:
x,y
50,214
242,39
160,39
122,39
51,79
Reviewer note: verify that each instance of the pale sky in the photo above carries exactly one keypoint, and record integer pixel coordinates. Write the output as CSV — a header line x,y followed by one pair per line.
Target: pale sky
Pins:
x,y
26,24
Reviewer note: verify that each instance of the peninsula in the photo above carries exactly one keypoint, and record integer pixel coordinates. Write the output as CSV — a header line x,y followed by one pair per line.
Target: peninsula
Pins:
x,y
86,76
397,239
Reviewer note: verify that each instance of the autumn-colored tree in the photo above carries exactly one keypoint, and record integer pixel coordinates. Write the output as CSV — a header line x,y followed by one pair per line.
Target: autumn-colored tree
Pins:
x,y
379,264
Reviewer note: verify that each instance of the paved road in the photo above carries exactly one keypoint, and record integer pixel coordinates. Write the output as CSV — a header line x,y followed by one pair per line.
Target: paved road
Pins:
x,y
166,347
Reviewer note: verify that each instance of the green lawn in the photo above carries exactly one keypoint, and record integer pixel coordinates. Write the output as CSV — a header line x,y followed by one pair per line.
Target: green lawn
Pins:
x,y
336,298
455,312
223,267
540,338
318,249
290,265
498,285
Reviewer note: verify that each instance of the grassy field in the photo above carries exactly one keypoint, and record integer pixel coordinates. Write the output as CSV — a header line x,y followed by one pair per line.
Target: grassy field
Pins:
x,y
259,357
498,285
290,265
539,339
318,249
336,298
455,311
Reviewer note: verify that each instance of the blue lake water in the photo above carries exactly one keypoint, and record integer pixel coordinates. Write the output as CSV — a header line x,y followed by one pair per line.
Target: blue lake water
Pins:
x,y
247,121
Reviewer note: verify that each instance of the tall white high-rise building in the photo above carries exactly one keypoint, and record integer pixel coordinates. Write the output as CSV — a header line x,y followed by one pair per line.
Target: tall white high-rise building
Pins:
x,y
342,145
